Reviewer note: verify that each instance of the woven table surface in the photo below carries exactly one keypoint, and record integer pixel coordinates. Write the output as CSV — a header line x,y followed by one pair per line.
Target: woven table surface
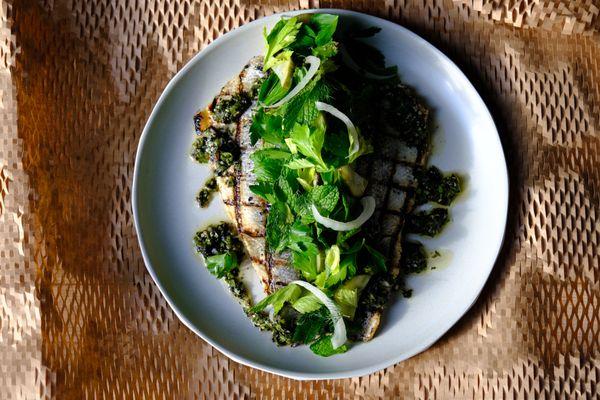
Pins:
x,y
81,318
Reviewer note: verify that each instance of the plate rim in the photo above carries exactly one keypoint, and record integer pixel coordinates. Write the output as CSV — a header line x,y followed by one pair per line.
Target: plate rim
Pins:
x,y
257,365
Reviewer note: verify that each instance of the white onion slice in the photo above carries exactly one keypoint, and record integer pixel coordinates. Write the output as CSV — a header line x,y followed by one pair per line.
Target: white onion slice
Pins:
x,y
368,203
339,328
352,131
354,66
314,63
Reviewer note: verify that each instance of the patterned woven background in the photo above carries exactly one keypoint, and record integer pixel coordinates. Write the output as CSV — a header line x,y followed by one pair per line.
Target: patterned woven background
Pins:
x,y
81,318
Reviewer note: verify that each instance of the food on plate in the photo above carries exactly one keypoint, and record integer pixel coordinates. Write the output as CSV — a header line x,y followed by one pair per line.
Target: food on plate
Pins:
x,y
319,153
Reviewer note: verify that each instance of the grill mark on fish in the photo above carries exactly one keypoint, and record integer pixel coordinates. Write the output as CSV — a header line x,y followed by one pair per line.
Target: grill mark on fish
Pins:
x,y
392,242
236,165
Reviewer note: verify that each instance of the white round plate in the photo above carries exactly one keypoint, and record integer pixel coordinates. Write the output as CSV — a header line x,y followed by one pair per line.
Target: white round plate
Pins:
x,y
166,216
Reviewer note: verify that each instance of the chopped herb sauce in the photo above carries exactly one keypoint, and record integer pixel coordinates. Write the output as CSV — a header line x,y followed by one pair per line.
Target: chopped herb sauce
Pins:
x,y
218,239
414,258
404,110
218,145
204,195
228,108
428,223
200,150
434,186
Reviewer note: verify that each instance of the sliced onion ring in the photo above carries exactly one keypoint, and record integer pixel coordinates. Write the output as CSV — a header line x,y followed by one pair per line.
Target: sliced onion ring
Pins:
x,y
352,131
368,203
349,61
314,63
339,328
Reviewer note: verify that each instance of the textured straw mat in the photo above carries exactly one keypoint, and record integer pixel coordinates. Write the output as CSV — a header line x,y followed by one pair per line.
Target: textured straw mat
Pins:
x,y
81,318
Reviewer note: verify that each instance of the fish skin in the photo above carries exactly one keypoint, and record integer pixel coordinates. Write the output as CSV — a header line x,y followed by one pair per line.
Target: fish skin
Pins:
x,y
391,183
247,210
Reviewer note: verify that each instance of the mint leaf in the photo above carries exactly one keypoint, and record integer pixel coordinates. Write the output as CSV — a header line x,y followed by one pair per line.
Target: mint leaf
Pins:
x,y
312,325
324,348
301,206
302,109
325,198
278,226
288,184
221,264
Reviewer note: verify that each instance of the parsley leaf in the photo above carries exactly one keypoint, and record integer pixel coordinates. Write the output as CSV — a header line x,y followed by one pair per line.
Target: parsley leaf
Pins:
x,y
271,90
268,163
307,303
307,262
309,143
221,264
282,35
378,259
326,25
277,299
267,127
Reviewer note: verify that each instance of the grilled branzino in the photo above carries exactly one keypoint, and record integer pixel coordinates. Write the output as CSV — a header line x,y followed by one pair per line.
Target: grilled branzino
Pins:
x,y
399,150
229,118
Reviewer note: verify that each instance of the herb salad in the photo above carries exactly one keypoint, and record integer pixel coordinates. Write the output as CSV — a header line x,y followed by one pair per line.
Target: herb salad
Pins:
x,y
319,153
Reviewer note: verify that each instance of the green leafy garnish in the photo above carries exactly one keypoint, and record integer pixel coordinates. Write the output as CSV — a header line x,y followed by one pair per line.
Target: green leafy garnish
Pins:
x,y
282,35
324,348
221,264
307,303
289,293
311,326
309,143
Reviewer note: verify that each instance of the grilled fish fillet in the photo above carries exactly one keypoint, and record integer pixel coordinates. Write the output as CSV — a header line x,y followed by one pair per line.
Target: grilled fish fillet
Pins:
x,y
248,211
391,182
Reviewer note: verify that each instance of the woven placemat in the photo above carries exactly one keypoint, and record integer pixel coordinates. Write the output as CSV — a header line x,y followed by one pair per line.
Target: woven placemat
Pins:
x,y
81,318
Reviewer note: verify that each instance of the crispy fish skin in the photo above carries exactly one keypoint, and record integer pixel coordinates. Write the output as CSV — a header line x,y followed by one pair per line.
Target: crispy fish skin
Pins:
x,y
391,172
248,211
392,183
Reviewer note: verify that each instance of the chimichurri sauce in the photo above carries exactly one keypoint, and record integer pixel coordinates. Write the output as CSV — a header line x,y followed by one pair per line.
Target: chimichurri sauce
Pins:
x,y
436,187
428,223
205,194
217,239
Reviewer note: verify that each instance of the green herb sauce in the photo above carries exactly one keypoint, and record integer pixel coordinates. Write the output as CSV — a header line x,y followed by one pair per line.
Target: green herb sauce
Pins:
x,y
204,195
228,109
215,144
436,187
410,114
414,258
200,150
428,223
218,239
